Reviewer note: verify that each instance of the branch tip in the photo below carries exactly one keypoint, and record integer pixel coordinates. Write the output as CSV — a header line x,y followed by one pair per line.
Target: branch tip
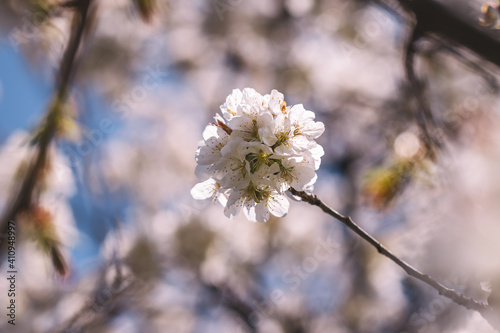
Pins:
x,y
452,294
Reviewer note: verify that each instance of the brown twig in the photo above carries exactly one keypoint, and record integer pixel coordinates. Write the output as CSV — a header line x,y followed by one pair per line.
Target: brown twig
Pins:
x,y
452,294
23,200
424,115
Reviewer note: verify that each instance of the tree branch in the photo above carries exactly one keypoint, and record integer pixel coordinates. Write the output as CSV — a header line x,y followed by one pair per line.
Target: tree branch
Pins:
x,y
232,302
23,200
425,118
446,22
452,294
106,302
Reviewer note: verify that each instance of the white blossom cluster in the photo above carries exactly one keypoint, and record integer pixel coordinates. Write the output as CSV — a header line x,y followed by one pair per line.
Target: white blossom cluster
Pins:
x,y
254,152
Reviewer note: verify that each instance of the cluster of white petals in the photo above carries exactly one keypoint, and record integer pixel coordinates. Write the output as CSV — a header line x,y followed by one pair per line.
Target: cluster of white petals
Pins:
x,y
254,152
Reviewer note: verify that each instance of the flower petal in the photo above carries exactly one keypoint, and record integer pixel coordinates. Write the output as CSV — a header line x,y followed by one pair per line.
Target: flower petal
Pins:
x,y
278,205
249,210
275,100
234,203
267,135
230,108
206,155
302,176
242,127
204,190
300,143
313,129
261,212
203,172
210,131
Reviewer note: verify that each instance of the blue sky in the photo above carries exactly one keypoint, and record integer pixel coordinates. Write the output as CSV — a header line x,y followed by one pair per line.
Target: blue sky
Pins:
x,y
24,95
24,92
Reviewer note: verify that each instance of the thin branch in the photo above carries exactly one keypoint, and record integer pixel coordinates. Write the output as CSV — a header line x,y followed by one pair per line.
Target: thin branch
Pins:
x,y
23,200
425,118
66,71
232,302
473,65
106,301
452,294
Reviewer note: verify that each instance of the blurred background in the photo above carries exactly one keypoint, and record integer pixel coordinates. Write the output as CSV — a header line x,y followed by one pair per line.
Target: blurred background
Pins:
x,y
112,240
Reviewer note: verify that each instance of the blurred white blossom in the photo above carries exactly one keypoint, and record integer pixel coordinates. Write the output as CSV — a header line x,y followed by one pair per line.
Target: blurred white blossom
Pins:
x,y
255,151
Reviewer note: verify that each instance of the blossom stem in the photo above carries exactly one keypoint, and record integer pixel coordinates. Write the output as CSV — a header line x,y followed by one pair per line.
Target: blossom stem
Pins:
x,y
452,294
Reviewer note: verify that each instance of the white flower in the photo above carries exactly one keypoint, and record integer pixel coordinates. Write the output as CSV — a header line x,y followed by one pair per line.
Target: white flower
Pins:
x,y
231,107
296,174
254,153
303,123
209,189
233,168
274,102
214,139
247,126
257,203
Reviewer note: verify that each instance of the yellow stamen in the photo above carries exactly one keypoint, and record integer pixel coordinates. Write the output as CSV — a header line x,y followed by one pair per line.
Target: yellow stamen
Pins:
x,y
283,107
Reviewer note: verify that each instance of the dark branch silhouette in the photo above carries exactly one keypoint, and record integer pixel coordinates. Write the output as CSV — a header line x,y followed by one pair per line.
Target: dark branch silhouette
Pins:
x,y
445,22
22,201
424,115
